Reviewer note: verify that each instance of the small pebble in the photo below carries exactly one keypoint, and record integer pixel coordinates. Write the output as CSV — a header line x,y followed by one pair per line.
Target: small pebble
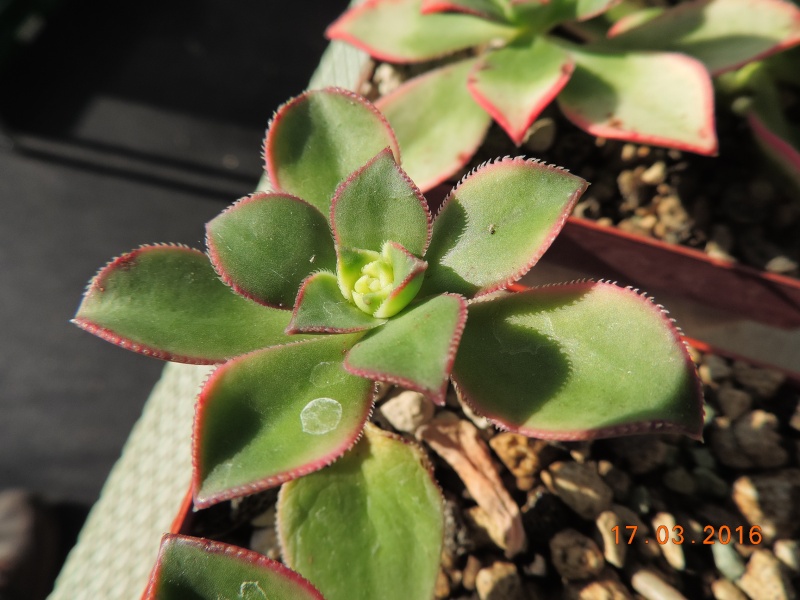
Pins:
x,y
628,152
673,553
607,586
617,479
725,446
765,578
757,436
710,483
614,549
651,586
728,562
770,501
762,382
500,581
680,480
541,135
655,174
734,403
579,486
407,411
470,572
575,556
642,453
788,552
726,590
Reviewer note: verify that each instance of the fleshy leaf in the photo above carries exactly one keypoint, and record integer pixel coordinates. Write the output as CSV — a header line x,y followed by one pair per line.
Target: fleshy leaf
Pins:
x,y
578,361
265,245
408,273
201,569
437,122
276,414
496,224
381,510
317,139
397,31
723,34
487,9
320,307
167,302
514,84
780,150
415,348
660,98
378,203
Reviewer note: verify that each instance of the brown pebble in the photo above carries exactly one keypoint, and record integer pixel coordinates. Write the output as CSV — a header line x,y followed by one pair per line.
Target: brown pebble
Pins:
x,y
500,581
726,590
725,446
673,553
788,552
757,436
617,479
770,501
575,556
615,543
470,572
765,578
734,403
523,456
651,586
762,382
655,173
606,587
442,589
579,486
642,453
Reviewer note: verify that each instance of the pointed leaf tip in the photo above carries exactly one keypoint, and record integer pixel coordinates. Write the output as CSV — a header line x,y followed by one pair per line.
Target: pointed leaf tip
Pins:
x,y
167,302
578,361
497,223
416,348
308,150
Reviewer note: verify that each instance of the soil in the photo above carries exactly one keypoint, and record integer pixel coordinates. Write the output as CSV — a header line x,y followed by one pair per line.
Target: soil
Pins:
x,y
719,519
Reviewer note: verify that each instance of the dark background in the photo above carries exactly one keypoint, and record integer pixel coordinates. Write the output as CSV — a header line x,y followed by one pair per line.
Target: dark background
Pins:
x,y
123,123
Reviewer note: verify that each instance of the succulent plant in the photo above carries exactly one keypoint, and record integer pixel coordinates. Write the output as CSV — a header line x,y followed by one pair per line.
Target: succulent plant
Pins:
x,y
341,278
646,79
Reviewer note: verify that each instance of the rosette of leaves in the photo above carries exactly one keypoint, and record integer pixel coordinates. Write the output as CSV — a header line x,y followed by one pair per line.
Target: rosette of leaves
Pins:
x,y
340,278
646,79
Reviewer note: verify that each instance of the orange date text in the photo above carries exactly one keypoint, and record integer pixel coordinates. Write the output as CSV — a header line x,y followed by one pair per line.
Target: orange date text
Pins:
x,y
711,535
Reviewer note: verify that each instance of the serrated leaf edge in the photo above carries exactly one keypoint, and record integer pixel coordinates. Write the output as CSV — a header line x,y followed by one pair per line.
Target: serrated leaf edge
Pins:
x,y
657,426
437,396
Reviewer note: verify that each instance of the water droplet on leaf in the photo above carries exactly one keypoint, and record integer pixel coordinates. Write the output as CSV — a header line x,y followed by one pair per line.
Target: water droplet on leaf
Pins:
x,y
321,416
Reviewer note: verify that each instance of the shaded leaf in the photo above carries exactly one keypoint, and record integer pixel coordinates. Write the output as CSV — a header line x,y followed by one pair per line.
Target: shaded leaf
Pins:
x,y
437,122
723,34
378,203
201,569
578,361
321,307
317,139
265,245
496,224
274,415
661,99
487,9
415,348
398,31
514,84
380,508
780,150
167,302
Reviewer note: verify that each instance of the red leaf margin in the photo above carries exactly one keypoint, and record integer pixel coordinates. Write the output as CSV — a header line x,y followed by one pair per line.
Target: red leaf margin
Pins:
x,y
277,119
437,396
355,174
266,482
96,287
517,135
606,432
555,229
240,554
213,254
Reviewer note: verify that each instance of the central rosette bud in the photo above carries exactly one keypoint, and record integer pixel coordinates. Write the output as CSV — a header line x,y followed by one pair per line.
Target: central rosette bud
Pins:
x,y
380,283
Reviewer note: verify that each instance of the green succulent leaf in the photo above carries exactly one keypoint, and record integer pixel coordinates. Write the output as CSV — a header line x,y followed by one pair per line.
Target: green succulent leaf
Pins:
x,y
415,348
408,272
437,122
541,17
317,139
577,361
265,245
487,9
380,509
276,414
398,31
655,98
167,302
723,34
514,84
496,224
201,569
378,203
322,308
